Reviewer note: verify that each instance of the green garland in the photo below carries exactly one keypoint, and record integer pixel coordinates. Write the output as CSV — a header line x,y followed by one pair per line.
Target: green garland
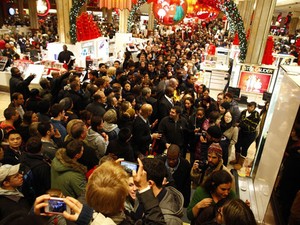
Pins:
x,y
132,13
237,25
74,11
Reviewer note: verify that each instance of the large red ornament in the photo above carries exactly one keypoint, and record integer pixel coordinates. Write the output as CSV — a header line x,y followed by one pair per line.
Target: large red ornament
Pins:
x,y
205,12
169,12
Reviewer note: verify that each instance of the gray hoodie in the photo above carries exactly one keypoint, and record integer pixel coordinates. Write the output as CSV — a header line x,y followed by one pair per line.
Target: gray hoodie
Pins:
x,y
97,142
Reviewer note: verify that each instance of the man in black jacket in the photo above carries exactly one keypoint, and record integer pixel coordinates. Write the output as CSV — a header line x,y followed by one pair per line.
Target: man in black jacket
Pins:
x,y
18,84
174,130
179,172
141,131
33,161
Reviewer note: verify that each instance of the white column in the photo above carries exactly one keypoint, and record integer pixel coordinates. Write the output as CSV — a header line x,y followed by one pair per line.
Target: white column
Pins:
x,y
259,30
124,14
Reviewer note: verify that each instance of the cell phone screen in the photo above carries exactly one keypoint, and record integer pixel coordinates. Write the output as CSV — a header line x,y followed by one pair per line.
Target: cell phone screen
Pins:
x,y
57,205
129,165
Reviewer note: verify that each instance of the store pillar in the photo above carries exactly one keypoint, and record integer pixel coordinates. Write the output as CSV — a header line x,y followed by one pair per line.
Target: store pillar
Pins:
x,y
34,24
293,25
104,12
246,11
151,17
21,9
109,16
124,14
63,17
259,30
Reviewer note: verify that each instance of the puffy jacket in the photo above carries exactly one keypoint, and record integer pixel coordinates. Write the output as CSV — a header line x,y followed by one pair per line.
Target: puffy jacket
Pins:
x,y
67,175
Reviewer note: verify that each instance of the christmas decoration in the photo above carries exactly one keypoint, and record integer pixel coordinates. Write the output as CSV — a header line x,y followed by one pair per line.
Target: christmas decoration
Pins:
x,y
43,7
237,25
133,12
205,12
235,21
169,12
87,28
236,40
74,11
268,57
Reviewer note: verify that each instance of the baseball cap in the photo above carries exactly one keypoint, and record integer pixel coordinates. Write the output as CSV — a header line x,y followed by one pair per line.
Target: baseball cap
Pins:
x,y
8,170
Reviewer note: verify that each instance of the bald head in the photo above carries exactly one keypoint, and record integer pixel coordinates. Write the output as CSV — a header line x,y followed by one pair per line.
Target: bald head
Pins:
x,y
146,110
173,83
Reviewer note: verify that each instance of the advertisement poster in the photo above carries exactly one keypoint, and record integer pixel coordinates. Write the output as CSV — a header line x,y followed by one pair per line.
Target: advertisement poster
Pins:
x,y
255,79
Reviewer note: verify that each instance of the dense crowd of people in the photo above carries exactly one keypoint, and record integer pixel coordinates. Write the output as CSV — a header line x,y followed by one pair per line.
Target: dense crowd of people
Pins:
x,y
66,140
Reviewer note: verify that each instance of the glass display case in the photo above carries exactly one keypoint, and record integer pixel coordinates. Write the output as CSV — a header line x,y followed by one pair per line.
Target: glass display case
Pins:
x,y
280,119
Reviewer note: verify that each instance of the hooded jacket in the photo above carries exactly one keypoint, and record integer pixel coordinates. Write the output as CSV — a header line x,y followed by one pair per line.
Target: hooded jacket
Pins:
x,y
97,142
11,202
67,175
171,204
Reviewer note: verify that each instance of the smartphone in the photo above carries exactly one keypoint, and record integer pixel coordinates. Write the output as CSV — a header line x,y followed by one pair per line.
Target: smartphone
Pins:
x,y
130,165
57,206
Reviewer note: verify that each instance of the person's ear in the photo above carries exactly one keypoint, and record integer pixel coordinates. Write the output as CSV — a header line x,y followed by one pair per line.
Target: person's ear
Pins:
x,y
151,183
6,184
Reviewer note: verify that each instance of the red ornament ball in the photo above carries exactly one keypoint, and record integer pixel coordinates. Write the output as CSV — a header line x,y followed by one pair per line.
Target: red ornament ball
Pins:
x,y
169,12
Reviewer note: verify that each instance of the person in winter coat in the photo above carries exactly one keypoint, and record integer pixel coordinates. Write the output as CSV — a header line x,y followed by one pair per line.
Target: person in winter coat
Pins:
x,y
98,141
170,200
34,161
66,173
18,84
229,137
248,123
11,200
178,172
234,107
110,126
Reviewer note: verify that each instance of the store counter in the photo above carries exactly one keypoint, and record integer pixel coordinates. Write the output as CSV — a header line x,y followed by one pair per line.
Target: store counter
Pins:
x,y
4,82
214,75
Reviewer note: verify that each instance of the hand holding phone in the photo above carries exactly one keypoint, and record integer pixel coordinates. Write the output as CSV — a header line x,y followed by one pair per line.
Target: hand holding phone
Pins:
x,y
131,166
56,206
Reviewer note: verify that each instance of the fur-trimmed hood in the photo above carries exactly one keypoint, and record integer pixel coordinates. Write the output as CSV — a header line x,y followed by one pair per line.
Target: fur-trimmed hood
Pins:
x,y
63,163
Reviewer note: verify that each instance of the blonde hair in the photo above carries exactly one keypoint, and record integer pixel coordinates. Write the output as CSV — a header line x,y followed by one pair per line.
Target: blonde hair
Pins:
x,y
107,188
111,71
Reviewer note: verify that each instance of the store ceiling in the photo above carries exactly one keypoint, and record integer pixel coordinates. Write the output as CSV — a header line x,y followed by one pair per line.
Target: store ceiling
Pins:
x,y
286,6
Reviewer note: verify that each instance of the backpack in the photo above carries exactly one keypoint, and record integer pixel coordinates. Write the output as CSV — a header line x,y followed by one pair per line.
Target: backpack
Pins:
x,y
28,187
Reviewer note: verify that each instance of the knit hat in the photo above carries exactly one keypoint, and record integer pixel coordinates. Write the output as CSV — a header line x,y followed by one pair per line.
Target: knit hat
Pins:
x,y
8,170
225,105
214,132
215,148
110,116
